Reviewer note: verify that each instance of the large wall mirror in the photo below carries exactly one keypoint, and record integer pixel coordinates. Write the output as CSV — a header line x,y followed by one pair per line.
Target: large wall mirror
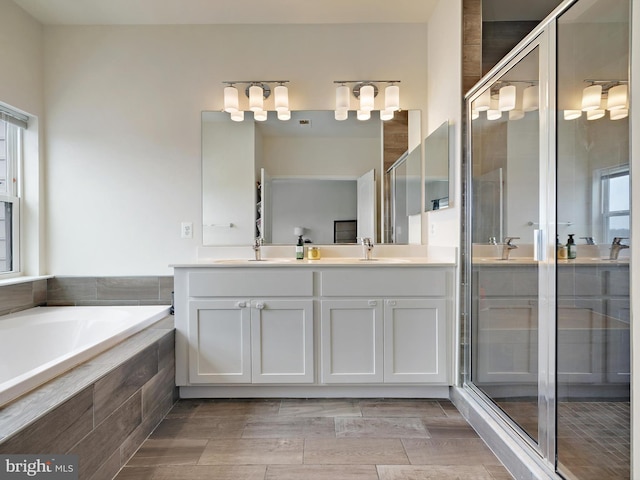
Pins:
x,y
269,178
436,168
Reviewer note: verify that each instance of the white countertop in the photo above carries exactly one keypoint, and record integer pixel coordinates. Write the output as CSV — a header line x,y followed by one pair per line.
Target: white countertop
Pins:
x,y
524,261
323,262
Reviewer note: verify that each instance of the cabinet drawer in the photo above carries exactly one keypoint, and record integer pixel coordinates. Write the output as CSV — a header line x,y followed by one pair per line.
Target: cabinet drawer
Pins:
x,y
250,283
384,282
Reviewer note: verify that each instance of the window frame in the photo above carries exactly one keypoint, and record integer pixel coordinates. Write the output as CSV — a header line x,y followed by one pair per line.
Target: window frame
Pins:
x,y
14,157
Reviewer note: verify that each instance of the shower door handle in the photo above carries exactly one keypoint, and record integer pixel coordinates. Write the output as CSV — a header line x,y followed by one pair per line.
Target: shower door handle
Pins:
x,y
538,245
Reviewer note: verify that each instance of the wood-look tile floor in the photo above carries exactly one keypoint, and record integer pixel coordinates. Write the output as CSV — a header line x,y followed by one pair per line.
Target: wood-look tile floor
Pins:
x,y
314,439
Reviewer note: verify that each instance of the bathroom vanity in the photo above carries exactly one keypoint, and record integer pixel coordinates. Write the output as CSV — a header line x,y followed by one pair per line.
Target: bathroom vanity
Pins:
x,y
332,327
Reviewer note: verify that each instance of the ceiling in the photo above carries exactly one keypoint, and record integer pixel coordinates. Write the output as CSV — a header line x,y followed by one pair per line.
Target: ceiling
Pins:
x,y
186,12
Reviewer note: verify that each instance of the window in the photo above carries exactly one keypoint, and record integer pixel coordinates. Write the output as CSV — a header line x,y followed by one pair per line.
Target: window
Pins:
x,y
10,165
614,187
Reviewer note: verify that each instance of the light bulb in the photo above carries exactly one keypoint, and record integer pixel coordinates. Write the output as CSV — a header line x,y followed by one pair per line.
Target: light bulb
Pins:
x,y
591,98
572,114
366,97
516,114
392,98
386,115
483,102
364,115
260,115
617,97
341,114
237,116
507,98
230,99
618,113
256,99
284,115
595,114
342,98
281,94
494,114
475,114
530,98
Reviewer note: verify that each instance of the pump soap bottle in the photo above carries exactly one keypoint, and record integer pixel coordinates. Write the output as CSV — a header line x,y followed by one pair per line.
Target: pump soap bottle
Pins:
x,y
300,249
571,247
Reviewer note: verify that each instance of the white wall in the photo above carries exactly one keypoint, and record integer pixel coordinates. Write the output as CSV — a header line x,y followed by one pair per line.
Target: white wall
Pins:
x,y
123,122
442,227
21,87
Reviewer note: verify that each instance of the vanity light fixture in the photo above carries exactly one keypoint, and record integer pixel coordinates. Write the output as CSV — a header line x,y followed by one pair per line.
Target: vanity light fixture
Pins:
x,y
257,91
483,102
610,94
516,114
366,91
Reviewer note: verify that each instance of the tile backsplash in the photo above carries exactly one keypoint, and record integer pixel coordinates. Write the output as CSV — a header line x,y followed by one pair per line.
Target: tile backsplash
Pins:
x,y
78,291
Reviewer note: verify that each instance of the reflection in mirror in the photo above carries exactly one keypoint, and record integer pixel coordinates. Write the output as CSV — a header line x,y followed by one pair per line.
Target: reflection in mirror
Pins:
x,y
268,178
404,179
436,168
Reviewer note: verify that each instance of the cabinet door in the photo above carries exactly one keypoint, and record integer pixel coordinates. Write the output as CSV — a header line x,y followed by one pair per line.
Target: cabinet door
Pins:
x,y
415,341
352,341
219,341
282,341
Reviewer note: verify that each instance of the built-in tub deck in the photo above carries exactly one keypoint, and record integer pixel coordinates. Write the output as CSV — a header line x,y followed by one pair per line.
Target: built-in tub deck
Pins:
x,y
95,410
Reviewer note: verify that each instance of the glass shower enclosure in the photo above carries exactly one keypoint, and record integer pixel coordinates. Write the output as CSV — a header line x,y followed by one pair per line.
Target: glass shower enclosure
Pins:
x,y
546,271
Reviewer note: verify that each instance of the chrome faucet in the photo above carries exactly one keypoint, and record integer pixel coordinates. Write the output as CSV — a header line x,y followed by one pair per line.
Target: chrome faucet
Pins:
x,y
507,246
257,244
589,240
367,247
616,246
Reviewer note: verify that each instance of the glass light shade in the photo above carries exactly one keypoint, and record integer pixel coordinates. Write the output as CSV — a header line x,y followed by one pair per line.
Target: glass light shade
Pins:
x,y
617,97
366,98
483,102
493,114
256,99
591,98
595,114
342,114
619,113
297,231
392,98
475,114
516,114
572,114
386,114
364,114
284,115
237,116
281,94
342,98
530,100
230,99
260,115
507,98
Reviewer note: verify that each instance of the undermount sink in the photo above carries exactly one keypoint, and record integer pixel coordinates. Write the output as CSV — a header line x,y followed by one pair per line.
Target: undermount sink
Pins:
x,y
254,261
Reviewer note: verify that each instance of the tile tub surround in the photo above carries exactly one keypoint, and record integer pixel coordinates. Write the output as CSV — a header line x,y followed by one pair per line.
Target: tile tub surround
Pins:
x,y
23,295
135,290
101,410
314,439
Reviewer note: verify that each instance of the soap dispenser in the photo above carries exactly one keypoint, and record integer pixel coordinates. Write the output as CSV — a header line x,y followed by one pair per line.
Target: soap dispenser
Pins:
x,y
571,247
562,249
300,249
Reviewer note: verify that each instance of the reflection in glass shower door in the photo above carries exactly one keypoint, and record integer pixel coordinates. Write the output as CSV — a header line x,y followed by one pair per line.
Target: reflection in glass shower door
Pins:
x,y
504,275
593,298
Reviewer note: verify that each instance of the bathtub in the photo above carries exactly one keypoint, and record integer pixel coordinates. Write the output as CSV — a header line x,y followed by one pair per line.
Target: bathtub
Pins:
x,y
38,344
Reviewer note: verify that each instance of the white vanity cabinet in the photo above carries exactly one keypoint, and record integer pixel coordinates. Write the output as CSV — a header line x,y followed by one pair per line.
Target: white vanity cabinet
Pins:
x,y
313,330
401,339
247,326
